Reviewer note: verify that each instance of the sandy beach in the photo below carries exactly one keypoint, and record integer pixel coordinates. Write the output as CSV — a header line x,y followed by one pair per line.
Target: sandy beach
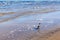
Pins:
x,y
22,24
22,29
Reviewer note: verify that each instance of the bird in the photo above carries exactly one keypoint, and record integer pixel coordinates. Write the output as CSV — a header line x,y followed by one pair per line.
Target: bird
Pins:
x,y
38,27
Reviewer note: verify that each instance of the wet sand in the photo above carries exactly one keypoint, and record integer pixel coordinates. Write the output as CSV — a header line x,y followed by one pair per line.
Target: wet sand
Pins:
x,y
32,35
13,29
13,15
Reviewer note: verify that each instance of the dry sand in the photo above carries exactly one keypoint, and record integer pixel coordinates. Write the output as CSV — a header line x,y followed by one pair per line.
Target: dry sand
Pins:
x,y
52,35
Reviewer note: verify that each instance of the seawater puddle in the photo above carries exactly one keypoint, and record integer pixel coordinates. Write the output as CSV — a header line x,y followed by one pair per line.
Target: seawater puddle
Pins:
x,y
47,20
24,25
